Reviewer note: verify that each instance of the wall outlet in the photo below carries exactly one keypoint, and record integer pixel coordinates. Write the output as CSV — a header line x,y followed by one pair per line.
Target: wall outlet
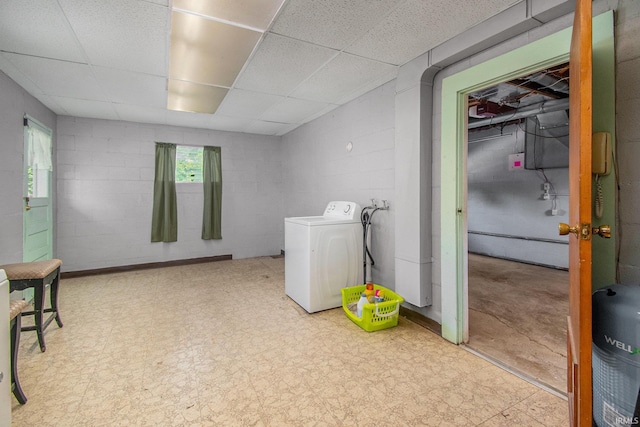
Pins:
x,y
545,196
546,187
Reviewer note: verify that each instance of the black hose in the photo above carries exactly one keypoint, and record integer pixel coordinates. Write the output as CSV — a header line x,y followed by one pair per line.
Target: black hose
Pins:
x,y
365,219
370,257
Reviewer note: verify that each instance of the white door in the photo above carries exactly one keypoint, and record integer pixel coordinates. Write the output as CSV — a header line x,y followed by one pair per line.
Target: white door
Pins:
x,y
37,189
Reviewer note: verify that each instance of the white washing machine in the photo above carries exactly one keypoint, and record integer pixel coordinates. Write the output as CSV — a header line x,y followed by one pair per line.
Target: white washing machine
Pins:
x,y
322,255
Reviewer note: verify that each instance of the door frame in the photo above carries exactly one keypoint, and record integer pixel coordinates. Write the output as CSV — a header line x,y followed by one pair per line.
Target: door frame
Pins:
x,y
549,51
546,52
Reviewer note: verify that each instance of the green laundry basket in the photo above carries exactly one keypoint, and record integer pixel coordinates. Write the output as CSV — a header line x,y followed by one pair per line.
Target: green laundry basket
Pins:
x,y
375,316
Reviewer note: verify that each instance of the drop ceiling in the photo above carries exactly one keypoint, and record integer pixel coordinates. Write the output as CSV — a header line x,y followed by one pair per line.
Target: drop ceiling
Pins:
x,y
111,59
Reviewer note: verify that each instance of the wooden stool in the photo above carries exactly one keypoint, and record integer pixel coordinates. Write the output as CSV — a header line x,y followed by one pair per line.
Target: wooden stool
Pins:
x,y
15,308
37,275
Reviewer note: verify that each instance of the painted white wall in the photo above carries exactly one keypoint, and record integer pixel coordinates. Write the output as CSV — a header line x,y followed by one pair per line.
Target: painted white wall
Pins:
x,y
317,168
14,103
509,202
105,194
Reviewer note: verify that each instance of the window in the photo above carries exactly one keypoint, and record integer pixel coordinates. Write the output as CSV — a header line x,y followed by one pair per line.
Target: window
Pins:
x,y
188,164
38,160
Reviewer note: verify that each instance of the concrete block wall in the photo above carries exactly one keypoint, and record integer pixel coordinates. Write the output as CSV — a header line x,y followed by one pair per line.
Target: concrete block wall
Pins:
x,y
509,202
628,136
105,194
14,103
318,168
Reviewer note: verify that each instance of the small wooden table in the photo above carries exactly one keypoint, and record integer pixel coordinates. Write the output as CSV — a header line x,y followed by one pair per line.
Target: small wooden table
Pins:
x,y
37,275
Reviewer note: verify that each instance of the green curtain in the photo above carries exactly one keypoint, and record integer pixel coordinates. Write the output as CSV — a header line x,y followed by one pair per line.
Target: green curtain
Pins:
x,y
212,184
164,222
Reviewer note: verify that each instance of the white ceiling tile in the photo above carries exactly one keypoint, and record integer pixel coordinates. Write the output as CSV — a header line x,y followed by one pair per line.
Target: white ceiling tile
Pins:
x,y
341,76
327,109
136,113
231,124
253,13
193,120
418,25
247,104
39,28
280,64
51,103
330,23
287,129
372,83
85,108
59,78
127,87
266,128
18,75
293,110
124,34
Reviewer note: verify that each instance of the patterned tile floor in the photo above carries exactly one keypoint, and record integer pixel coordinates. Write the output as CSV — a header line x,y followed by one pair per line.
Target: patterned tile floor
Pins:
x,y
220,344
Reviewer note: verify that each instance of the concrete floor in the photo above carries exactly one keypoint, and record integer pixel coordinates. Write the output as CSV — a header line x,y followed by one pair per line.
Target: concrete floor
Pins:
x,y
517,317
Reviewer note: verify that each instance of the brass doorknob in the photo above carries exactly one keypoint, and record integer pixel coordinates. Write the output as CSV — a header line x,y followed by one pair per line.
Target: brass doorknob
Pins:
x,y
602,231
564,229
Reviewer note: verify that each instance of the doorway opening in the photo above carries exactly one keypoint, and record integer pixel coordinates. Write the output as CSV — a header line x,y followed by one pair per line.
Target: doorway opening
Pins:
x,y
517,192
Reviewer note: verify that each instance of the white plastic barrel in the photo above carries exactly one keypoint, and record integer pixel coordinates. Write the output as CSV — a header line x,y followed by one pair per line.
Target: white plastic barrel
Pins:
x,y
616,356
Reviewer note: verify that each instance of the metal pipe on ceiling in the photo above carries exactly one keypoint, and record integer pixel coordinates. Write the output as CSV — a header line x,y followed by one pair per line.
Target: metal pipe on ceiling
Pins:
x,y
530,110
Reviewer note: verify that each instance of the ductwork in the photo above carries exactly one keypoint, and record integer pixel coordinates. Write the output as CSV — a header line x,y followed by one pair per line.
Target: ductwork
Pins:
x,y
528,111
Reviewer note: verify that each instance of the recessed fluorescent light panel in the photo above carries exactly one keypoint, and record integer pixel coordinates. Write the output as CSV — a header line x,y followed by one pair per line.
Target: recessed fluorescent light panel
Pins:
x,y
256,14
210,43
194,97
